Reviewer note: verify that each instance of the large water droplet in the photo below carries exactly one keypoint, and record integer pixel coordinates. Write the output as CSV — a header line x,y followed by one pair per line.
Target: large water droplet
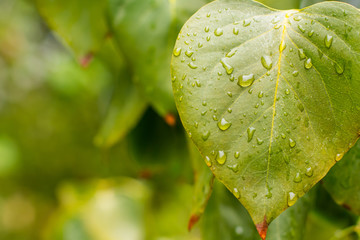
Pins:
x,y
223,124
221,157
282,46
291,198
297,178
250,132
339,70
292,143
177,52
246,80
328,40
302,54
229,69
218,32
266,62
205,135
192,65
308,63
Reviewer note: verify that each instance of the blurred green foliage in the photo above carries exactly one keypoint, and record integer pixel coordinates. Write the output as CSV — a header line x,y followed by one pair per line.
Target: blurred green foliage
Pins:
x,y
82,156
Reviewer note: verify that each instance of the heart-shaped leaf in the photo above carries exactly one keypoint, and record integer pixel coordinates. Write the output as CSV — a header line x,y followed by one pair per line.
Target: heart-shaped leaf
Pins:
x,y
269,97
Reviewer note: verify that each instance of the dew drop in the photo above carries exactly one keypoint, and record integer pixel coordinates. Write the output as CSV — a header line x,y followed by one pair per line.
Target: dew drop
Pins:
x,y
207,29
297,178
236,154
236,31
177,52
283,136
250,132
339,156
261,94
311,33
189,53
282,46
292,143
339,70
221,157
301,28
229,94
328,41
229,69
231,53
301,107
301,54
192,65
291,198
297,18
246,22
266,62
236,193
246,80
205,135
259,141
218,32
308,63
287,91
309,172
208,38
295,73
223,124
208,161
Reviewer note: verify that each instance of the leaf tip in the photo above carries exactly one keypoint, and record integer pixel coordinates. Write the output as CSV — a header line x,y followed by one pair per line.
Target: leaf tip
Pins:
x,y
170,119
193,219
84,61
262,228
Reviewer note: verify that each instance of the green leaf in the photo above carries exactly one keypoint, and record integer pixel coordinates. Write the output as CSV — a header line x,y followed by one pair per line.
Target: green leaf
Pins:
x,y
276,92
342,182
203,186
305,3
146,32
81,24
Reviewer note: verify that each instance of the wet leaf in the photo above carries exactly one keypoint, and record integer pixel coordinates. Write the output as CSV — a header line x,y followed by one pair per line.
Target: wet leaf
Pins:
x,y
276,93
342,182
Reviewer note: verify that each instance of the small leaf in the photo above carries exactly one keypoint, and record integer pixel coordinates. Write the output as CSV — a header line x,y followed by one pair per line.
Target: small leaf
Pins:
x,y
342,182
291,117
204,180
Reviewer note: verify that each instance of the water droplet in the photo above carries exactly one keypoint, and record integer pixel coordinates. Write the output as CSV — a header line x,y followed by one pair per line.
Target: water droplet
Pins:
x,y
246,80
261,94
311,33
309,172
328,41
207,29
189,53
224,125
287,91
259,141
231,53
192,65
229,69
268,192
283,136
177,52
208,38
215,118
339,156
208,161
200,45
205,135
229,110
282,46
236,31
292,143
236,193
180,98
339,70
291,198
221,157
301,107
308,63
246,22
266,62
250,132
236,154
297,178
218,32
297,18
301,54
301,28
295,73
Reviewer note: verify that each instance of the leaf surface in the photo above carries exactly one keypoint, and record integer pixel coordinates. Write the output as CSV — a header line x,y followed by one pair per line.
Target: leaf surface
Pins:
x,y
269,97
